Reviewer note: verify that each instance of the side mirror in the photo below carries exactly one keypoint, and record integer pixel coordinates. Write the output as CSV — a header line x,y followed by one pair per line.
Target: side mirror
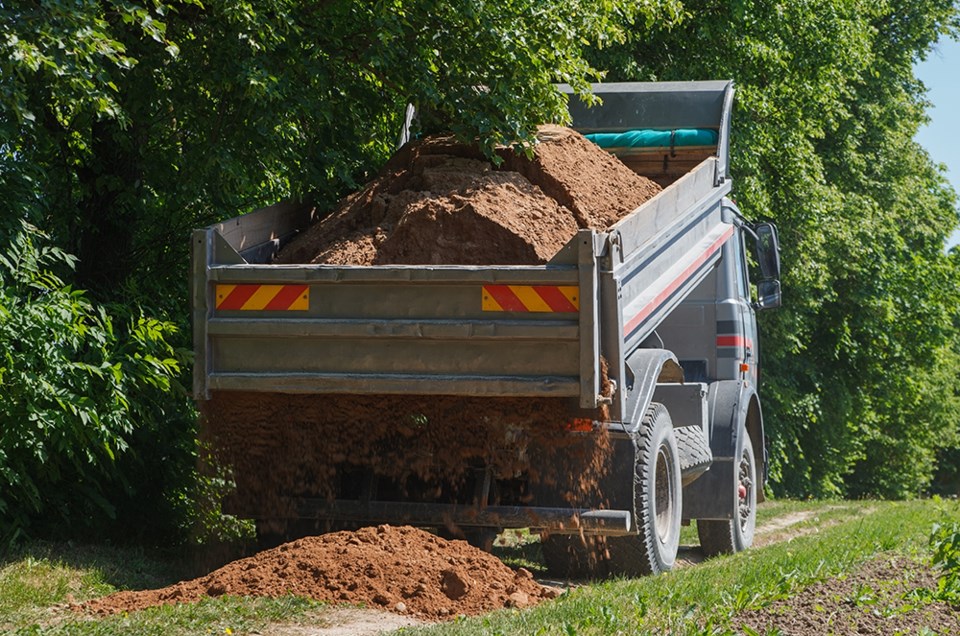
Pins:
x,y
768,294
768,251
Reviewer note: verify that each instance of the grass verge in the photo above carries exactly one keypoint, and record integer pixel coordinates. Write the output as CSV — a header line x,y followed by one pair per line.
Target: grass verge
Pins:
x,y
701,600
826,539
38,584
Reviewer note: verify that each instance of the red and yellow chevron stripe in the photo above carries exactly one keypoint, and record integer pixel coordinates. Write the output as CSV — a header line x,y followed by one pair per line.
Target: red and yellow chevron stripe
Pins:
x,y
263,297
529,298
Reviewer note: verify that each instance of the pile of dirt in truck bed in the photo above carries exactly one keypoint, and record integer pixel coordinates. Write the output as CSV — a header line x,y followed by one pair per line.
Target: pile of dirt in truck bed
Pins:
x,y
442,202
400,569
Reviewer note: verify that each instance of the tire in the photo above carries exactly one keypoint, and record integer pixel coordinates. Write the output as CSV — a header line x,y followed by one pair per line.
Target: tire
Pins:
x,y
658,507
722,536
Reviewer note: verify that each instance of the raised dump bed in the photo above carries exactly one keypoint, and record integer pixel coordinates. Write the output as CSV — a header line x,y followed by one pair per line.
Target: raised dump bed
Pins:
x,y
580,329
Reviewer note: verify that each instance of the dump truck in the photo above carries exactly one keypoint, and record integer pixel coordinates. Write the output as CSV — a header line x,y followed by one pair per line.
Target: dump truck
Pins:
x,y
653,336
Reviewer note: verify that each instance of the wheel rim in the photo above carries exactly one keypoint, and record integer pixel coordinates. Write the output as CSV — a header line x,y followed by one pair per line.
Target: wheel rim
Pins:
x,y
745,490
664,495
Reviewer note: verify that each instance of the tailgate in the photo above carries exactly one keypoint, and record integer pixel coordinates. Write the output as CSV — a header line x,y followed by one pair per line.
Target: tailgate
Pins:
x,y
433,330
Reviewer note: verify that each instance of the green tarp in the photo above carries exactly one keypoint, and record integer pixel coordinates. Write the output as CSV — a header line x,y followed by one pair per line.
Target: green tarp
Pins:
x,y
655,138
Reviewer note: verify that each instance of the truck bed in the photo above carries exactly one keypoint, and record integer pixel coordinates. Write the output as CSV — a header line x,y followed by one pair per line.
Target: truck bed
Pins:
x,y
440,329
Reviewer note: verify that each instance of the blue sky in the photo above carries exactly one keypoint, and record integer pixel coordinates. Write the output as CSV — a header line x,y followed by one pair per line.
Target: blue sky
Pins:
x,y
941,137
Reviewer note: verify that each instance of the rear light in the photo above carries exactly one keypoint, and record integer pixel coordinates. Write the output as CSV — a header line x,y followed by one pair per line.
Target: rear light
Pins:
x,y
580,425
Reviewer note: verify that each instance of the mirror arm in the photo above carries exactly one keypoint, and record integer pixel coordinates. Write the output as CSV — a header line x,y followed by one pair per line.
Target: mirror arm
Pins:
x,y
744,224
748,228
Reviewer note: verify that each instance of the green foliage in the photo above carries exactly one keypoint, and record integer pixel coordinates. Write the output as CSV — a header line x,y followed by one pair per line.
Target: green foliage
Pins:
x,y
945,549
945,543
860,367
202,505
127,124
66,377
144,120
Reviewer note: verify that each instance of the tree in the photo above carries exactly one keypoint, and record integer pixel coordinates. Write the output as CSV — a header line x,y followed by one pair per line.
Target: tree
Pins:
x,y
127,124
143,120
827,106
68,373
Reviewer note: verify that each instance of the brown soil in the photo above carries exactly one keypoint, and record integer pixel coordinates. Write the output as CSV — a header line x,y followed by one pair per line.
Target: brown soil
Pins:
x,y
403,570
873,599
282,446
441,202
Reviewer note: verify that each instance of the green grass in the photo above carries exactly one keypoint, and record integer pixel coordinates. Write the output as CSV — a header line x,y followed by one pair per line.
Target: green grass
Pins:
x,y
38,583
701,599
44,575
828,539
224,615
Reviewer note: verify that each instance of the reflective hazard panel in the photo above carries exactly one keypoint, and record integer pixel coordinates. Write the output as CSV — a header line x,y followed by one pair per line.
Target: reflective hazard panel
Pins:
x,y
531,298
263,297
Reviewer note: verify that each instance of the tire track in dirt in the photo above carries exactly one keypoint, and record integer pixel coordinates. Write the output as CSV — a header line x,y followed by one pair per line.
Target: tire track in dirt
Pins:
x,y
786,528
777,530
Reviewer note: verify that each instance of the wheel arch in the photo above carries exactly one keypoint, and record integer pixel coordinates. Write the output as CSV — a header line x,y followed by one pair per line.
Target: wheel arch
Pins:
x,y
645,368
731,405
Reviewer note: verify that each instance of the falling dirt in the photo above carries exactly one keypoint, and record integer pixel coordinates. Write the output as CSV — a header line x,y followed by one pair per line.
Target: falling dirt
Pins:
x,y
399,569
421,448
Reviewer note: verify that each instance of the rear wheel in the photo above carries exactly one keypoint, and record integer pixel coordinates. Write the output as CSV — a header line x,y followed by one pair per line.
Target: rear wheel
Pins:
x,y
658,502
734,535
657,509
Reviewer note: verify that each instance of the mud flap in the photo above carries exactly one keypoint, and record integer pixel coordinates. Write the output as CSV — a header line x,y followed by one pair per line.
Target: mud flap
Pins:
x,y
710,496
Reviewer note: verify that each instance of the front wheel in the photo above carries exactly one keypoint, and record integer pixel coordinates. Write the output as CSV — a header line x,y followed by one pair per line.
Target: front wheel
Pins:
x,y
735,535
658,502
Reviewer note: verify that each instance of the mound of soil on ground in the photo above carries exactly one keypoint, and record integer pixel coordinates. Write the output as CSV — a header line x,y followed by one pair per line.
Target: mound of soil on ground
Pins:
x,y
441,202
403,570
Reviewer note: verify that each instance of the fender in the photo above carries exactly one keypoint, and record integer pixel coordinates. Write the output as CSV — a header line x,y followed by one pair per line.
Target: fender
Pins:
x,y
727,403
731,403
646,367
